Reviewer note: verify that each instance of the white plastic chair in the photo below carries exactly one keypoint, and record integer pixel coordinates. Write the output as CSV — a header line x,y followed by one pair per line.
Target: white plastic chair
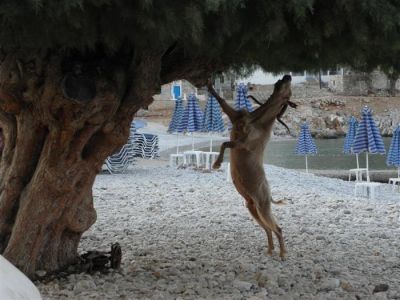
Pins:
x,y
367,188
393,182
189,155
359,174
210,157
176,159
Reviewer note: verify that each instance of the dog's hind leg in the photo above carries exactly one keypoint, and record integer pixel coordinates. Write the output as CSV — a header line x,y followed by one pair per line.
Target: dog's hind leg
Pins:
x,y
264,212
253,211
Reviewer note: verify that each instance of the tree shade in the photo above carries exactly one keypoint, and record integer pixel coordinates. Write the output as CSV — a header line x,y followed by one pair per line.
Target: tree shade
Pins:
x,y
278,35
74,72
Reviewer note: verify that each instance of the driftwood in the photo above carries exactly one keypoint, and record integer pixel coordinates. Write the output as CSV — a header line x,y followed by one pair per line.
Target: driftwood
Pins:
x,y
249,136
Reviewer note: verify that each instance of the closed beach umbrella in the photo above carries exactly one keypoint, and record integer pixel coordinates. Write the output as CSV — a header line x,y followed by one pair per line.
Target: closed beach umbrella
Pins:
x,y
393,158
351,134
176,116
192,120
176,120
305,143
242,102
368,138
212,121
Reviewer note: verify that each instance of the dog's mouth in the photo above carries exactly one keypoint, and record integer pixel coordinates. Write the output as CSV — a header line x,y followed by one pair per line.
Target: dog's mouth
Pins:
x,y
291,104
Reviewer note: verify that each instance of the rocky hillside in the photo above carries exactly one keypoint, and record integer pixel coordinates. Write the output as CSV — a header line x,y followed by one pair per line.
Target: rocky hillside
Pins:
x,y
328,114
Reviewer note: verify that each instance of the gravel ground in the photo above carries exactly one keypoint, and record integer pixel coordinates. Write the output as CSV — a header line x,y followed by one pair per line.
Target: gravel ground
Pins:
x,y
186,234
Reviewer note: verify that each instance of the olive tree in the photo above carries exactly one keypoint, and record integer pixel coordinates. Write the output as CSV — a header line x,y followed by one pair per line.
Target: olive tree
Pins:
x,y
74,72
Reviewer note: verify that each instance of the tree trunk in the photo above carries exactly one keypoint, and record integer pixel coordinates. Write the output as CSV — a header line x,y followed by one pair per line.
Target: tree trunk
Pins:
x,y
55,145
392,79
62,114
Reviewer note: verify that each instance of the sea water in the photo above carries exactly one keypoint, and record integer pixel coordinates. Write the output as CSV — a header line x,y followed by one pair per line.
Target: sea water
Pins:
x,y
329,157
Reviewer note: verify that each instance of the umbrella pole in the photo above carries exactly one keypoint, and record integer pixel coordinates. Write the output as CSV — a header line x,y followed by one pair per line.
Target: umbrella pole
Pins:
x,y
358,164
398,172
366,162
192,140
211,140
306,164
177,143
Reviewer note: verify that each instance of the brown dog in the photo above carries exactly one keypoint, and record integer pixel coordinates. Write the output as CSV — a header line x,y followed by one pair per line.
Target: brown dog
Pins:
x,y
249,136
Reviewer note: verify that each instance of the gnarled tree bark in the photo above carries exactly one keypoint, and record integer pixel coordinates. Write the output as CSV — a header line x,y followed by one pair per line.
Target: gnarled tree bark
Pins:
x,y
55,146
62,114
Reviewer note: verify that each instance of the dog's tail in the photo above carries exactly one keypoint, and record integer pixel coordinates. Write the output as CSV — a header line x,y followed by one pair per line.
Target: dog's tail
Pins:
x,y
279,202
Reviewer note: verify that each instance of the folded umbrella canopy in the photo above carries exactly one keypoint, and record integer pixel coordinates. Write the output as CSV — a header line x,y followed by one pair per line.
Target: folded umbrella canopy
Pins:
x,y
393,158
349,140
305,143
176,120
192,119
212,121
242,102
368,138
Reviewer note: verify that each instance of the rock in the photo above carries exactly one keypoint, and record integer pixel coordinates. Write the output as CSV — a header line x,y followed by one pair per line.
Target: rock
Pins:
x,y
383,236
41,273
84,285
242,285
329,284
347,212
346,286
283,282
254,298
382,287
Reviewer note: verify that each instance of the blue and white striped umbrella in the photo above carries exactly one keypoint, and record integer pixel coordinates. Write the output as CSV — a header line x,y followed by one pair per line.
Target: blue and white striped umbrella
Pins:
x,y
351,134
176,120
242,102
192,120
368,138
349,140
177,116
305,143
393,157
212,121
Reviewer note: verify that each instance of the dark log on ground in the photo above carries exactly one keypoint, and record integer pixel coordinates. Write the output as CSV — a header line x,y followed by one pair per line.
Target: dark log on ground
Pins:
x,y
89,262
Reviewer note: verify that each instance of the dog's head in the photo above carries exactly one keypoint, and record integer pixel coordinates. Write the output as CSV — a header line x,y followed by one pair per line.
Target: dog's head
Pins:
x,y
282,87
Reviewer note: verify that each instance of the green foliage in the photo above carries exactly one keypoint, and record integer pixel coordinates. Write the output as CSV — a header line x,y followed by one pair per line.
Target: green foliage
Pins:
x,y
278,35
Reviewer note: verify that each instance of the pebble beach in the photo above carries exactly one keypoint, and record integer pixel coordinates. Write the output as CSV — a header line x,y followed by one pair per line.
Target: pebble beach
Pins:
x,y
186,234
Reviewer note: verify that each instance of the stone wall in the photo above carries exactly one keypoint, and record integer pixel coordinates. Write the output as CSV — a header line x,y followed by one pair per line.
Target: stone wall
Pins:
x,y
335,83
361,84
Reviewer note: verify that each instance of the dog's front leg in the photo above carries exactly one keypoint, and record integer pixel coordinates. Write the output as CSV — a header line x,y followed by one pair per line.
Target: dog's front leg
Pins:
x,y
217,163
239,143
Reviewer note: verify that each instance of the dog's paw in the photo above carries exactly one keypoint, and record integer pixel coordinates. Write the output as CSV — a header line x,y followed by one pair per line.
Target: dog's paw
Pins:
x,y
216,165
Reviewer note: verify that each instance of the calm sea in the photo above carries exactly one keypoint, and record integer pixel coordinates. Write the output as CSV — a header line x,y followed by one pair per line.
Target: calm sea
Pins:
x,y
330,156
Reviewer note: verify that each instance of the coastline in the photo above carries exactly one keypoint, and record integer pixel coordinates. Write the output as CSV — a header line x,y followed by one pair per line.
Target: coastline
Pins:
x,y
202,140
